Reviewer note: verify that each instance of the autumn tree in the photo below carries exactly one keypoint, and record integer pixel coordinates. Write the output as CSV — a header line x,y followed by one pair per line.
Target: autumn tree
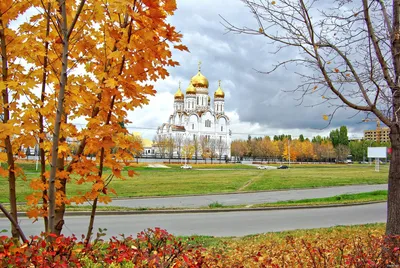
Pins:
x,y
159,142
350,54
187,148
205,147
15,80
213,149
178,141
255,149
220,147
91,60
274,150
239,149
306,150
269,148
290,149
196,147
170,145
323,148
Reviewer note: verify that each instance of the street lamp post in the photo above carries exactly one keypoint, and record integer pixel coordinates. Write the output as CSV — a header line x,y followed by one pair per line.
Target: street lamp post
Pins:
x,y
289,150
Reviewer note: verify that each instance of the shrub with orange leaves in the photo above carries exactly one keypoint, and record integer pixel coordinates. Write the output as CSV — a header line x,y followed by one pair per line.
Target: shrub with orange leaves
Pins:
x,y
342,247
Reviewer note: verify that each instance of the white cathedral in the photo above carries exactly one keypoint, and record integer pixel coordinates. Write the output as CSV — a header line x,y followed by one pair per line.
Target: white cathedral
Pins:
x,y
195,118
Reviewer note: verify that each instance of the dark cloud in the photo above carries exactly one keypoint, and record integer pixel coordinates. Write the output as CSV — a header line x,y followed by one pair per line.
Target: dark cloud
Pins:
x,y
234,58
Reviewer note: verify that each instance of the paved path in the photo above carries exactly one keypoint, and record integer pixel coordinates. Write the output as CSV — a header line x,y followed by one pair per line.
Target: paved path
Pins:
x,y
243,198
220,224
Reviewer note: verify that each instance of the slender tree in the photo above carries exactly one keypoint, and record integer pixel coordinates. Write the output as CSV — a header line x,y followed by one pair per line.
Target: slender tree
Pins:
x,y
122,46
350,51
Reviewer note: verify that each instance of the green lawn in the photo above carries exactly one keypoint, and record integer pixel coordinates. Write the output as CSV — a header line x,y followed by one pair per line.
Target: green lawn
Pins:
x,y
380,195
175,181
318,177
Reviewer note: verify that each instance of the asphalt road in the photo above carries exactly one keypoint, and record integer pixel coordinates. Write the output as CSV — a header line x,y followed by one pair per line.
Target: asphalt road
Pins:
x,y
220,224
243,198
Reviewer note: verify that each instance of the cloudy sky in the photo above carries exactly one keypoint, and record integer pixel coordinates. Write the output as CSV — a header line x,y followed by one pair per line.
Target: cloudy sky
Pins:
x,y
257,104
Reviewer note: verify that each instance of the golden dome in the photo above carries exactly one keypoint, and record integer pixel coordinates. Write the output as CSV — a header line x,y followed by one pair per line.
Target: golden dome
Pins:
x,y
179,95
219,93
199,80
191,89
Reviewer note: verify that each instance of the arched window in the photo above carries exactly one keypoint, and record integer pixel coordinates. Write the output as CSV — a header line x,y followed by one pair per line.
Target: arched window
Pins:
x,y
208,123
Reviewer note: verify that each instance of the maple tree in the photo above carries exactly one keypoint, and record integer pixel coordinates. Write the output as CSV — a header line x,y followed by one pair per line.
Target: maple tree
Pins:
x,y
90,60
13,78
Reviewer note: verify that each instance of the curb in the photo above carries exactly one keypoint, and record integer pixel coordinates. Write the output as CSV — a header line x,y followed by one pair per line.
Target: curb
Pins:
x,y
236,193
226,193
186,211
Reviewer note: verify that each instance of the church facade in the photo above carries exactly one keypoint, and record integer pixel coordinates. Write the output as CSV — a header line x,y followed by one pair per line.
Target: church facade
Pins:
x,y
198,118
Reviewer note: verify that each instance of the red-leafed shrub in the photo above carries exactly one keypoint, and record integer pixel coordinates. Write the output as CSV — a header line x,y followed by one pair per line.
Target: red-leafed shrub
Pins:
x,y
151,248
345,247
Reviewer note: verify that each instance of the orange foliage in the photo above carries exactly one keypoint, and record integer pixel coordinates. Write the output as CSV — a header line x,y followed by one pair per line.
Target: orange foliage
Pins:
x,y
122,46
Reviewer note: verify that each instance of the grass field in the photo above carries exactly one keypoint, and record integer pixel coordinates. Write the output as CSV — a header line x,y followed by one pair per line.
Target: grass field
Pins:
x,y
343,199
334,200
205,179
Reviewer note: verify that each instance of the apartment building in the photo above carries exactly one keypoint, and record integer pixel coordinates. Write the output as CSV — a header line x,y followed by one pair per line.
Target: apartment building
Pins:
x,y
378,135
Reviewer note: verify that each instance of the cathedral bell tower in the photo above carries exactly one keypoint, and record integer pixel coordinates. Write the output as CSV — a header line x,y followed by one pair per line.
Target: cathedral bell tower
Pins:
x,y
179,99
219,100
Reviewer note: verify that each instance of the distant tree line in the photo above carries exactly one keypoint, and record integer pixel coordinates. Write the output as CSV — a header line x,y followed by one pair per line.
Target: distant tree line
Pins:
x,y
335,147
180,146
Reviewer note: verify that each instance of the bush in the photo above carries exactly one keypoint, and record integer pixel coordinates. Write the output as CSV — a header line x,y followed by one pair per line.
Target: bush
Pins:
x,y
151,248
158,248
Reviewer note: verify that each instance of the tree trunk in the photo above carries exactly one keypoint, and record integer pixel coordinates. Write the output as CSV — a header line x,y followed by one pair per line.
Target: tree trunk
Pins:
x,y
41,121
13,222
7,141
12,185
57,123
393,204
60,210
